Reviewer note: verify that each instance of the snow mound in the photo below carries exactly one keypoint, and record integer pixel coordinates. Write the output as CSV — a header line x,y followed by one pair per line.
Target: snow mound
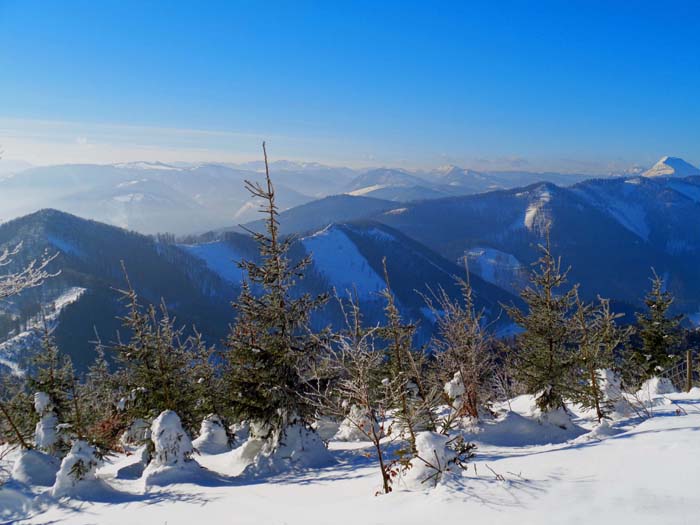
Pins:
x,y
213,438
652,394
171,461
525,426
601,431
77,476
431,466
656,386
33,467
297,447
356,426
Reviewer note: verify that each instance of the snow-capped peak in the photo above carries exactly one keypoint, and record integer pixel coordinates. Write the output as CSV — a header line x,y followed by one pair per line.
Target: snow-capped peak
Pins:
x,y
672,166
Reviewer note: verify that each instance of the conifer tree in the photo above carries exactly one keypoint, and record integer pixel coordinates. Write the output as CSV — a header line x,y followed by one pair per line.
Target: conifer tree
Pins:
x,y
597,339
16,423
414,400
52,373
658,330
546,361
154,365
269,345
99,396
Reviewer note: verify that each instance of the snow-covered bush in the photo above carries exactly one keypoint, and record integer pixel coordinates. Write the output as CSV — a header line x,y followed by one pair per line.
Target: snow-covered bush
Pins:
x,y
213,437
77,472
46,436
297,447
454,390
657,386
172,454
172,446
611,391
437,459
138,432
357,426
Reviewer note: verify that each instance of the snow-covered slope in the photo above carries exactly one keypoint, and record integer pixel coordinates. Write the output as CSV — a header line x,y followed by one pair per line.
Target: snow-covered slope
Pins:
x,y
629,472
338,259
18,347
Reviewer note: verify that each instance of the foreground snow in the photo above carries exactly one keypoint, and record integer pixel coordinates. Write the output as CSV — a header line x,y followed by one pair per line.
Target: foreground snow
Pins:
x,y
630,471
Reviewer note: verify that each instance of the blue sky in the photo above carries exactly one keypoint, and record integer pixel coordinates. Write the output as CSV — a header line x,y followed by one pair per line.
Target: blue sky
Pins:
x,y
577,86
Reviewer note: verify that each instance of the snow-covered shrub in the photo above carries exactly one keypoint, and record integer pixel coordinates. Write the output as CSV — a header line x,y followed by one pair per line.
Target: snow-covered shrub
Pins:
x,y
657,386
356,426
611,391
77,472
46,436
172,446
454,389
172,454
213,437
651,394
34,467
558,417
437,459
138,432
297,447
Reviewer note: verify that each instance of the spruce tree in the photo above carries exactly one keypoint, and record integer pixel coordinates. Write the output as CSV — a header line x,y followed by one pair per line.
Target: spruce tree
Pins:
x,y
659,331
16,412
546,363
270,343
155,365
52,373
597,339
414,400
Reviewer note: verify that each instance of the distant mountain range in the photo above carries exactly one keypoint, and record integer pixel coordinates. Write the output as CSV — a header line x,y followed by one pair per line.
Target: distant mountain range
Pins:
x,y
612,231
153,197
198,281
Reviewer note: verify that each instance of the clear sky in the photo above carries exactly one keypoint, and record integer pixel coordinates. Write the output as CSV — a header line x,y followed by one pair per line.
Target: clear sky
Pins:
x,y
577,86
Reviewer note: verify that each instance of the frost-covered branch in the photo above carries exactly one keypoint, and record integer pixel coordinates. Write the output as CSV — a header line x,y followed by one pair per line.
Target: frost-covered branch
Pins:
x,y
32,275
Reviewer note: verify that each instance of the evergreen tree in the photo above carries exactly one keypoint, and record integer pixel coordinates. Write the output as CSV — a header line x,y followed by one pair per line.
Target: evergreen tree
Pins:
x,y
99,394
597,339
659,332
546,361
155,365
52,373
414,400
270,343
16,420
